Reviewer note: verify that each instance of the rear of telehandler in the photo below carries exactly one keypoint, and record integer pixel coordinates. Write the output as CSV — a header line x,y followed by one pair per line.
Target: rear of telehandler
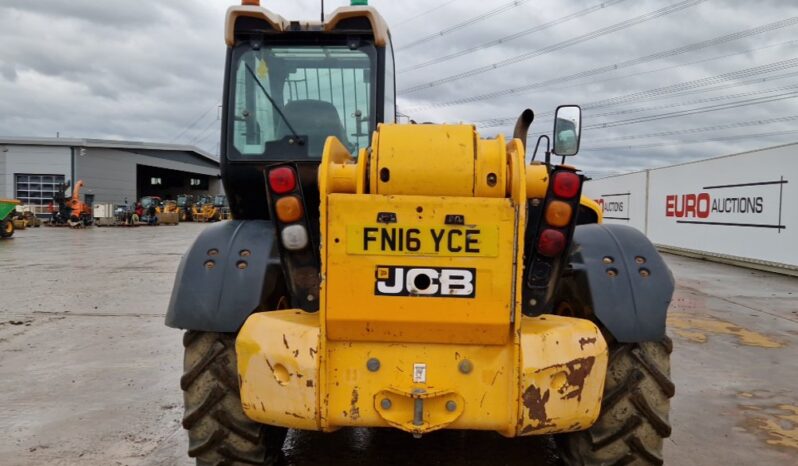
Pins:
x,y
417,277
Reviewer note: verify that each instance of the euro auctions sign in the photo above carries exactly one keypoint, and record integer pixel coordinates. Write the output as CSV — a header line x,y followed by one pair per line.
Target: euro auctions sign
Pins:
x,y
753,204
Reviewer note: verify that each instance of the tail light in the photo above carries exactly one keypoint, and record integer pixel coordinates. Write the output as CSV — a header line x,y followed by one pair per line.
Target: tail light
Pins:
x,y
551,242
294,237
298,254
549,232
566,184
558,214
282,180
289,209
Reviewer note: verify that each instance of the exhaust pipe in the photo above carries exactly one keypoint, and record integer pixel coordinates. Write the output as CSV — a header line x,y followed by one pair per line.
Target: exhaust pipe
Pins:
x,y
522,125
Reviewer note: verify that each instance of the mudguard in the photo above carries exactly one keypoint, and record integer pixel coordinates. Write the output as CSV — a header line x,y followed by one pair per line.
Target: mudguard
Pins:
x,y
232,270
619,275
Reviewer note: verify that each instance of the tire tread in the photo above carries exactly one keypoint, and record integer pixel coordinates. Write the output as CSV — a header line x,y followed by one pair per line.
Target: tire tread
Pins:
x,y
634,410
219,431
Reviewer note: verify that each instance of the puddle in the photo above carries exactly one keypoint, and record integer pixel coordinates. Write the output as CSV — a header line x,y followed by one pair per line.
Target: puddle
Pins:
x,y
697,328
775,423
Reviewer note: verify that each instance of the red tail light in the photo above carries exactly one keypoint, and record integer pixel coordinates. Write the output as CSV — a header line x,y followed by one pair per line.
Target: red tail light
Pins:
x,y
566,184
551,242
282,180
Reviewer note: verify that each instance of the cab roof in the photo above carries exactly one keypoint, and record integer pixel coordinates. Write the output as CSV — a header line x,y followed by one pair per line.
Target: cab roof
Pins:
x,y
340,20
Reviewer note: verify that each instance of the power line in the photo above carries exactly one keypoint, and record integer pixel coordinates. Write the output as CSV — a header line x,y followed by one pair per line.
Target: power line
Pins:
x,y
602,104
511,37
617,66
696,85
697,141
558,46
692,102
695,111
729,105
504,121
424,12
204,132
193,123
739,124
468,22
725,106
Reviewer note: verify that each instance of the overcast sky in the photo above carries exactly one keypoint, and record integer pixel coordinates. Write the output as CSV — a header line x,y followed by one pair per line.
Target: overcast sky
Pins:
x,y
662,81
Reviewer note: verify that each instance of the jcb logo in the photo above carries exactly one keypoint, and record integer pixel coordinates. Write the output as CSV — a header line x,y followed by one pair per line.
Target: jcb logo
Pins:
x,y
425,281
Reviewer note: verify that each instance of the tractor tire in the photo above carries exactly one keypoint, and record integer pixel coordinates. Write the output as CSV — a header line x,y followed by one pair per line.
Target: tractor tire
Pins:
x,y
634,410
219,432
7,228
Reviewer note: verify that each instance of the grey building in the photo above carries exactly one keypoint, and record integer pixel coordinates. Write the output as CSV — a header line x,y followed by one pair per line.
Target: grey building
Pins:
x,y
112,171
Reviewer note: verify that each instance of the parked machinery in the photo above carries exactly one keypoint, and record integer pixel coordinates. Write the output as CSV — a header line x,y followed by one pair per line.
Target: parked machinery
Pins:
x,y
415,277
70,210
197,214
185,202
170,213
216,209
7,212
148,209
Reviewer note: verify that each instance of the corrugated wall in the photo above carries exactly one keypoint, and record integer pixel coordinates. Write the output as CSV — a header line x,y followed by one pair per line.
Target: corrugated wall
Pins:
x,y
45,160
110,174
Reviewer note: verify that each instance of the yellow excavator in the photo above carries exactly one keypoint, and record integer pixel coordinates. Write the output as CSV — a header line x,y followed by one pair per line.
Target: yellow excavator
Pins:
x,y
403,276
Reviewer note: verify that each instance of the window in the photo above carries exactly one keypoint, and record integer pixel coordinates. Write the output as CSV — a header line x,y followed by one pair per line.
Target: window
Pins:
x,y
311,92
37,189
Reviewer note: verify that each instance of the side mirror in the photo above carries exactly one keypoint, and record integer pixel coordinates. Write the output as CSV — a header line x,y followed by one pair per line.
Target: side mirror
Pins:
x,y
567,130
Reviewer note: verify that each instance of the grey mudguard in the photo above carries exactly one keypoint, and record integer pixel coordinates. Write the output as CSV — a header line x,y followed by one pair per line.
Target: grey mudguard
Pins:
x,y
630,295
218,296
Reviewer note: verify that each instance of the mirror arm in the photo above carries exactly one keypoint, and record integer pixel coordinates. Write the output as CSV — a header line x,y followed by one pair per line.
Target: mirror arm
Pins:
x,y
548,148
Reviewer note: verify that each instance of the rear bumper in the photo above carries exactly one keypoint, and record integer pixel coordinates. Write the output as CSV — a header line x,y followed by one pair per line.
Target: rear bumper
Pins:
x,y
548,378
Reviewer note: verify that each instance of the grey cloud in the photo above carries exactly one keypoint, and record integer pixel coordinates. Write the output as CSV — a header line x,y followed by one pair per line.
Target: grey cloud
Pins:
x,y
146,69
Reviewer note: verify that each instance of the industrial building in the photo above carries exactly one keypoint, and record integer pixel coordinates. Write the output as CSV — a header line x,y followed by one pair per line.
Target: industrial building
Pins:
x,y
113,171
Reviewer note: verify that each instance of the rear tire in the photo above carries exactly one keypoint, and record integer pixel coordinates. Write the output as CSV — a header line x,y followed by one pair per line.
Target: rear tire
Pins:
x,y
634,410
218,430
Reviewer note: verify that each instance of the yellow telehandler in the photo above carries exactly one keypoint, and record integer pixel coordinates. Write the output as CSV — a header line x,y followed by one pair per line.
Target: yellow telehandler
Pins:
x,y
413,277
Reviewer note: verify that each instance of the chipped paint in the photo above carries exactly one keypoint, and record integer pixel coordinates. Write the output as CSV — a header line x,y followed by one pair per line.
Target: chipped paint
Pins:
x,y
576,371
695,328
354,411
586,341
535,402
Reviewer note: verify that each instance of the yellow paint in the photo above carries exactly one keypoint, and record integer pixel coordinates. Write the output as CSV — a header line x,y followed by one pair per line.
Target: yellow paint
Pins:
x,y
274,347
445,149
563,362
695,328
537,181
464,354
278,364
594,206
350,300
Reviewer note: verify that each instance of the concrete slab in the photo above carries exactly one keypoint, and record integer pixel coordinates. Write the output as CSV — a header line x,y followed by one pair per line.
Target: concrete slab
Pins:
x,y
89,374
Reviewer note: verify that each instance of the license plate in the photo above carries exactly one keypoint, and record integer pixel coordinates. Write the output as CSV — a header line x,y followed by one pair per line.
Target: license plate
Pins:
x,y
392,240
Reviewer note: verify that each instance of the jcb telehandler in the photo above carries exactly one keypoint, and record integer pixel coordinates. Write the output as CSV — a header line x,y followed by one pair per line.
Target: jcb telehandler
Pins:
x,y
415,277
